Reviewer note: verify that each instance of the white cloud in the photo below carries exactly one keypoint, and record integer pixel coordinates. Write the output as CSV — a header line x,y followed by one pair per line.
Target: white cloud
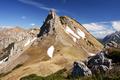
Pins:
x,y
32,24
116,25
99,30
102,33
94,26
36,4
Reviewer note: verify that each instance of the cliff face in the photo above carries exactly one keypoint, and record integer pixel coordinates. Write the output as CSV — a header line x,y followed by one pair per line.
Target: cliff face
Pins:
x,y
60,42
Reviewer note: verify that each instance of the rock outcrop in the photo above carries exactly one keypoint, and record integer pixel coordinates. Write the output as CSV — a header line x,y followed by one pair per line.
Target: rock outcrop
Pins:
x,y
95,64
80,69
99,62
17,41
48,27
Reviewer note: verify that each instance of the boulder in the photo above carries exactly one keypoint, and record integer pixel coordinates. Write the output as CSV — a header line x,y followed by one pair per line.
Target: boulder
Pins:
x,y
99,69
99,63
80,69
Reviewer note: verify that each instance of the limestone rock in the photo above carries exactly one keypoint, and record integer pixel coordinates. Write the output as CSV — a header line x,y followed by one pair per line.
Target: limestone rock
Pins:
x,y
80,69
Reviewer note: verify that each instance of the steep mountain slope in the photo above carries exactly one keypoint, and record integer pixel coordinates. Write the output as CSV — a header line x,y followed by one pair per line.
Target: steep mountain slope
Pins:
x,y
112,37
14,41
61,41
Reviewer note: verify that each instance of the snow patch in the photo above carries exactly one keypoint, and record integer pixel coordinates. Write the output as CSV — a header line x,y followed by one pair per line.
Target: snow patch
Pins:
x,y
33,39
91,54
50,51
30,41
81,33
1,61
4,60
11,52
69,31
74,39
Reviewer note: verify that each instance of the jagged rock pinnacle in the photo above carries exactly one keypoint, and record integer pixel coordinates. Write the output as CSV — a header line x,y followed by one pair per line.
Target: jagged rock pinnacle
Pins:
x,y
52,13
47,27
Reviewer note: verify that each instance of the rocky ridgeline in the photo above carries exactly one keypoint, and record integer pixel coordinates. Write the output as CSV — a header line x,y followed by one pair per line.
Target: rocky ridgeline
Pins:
x,y
48,26
13,43
112,40
8,36
59,39
112,37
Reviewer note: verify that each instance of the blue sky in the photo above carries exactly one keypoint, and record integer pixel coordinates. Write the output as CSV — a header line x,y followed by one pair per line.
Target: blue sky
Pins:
x,y
100,17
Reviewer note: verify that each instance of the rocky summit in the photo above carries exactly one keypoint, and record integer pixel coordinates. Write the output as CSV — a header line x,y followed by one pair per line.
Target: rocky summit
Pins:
x,y
58,43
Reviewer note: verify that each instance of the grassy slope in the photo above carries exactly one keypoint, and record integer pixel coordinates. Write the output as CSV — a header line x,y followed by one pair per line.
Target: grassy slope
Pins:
x,y
113,74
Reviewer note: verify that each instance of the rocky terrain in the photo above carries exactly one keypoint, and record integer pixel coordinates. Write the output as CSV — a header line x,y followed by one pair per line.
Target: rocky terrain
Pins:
x,y
60,42
14,41
112,45
113,39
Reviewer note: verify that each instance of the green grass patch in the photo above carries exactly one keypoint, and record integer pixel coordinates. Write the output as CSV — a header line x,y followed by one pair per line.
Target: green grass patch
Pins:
x,y
56,76
113,74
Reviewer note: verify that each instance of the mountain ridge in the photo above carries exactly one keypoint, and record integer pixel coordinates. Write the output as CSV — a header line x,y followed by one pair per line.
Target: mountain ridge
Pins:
x,y
59,43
